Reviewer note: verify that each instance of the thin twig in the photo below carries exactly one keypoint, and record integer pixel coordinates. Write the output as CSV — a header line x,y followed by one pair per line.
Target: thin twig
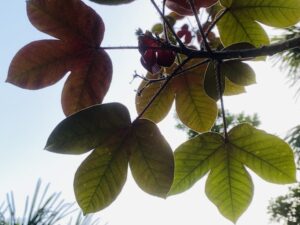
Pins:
x,y
220,93
213,24
164,23
169,25
191,2
182,71
267,50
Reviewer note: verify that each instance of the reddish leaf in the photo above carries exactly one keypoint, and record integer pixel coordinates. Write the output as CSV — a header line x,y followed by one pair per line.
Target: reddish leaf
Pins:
x,y
68,20
40,64
88,85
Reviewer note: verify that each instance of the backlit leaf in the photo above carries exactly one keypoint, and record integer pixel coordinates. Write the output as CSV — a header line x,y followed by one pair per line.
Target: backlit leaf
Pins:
x,y
161,105
210,82
88,128
240,22
101,177
112,2
229,186
232,88
280,13
194,108
40,64
234,29
89,84
238,72
151,159
68,20
193,160
267,155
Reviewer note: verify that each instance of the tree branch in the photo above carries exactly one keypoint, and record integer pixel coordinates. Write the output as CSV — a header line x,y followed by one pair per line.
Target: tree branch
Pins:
x,y
267,50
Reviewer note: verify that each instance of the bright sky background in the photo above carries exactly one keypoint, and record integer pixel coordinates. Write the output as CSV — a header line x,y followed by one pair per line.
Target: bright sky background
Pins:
x,y
28,117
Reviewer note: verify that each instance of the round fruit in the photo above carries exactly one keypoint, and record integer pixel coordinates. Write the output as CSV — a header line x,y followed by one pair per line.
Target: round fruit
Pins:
x,y
165,58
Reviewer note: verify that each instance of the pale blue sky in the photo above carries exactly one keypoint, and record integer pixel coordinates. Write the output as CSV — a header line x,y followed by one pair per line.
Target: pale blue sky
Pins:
x,y
28,117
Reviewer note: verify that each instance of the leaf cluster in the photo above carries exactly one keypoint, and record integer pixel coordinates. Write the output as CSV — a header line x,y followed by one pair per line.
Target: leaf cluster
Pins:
x,y
199,78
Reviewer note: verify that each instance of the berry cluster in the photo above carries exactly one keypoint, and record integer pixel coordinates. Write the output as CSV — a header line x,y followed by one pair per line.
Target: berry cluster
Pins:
x,y
153,55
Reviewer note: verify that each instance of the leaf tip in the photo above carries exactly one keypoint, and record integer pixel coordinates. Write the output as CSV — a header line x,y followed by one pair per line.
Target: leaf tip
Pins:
x,y
48,147
7,80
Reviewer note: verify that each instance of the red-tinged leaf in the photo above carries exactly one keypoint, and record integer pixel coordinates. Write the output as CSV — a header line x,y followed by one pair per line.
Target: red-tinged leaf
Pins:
x,y
87,86
68,20
40,64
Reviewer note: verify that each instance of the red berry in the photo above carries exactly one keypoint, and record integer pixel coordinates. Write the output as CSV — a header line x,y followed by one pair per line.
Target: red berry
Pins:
x,y
149,57
188,37
180,33
165,58
185,27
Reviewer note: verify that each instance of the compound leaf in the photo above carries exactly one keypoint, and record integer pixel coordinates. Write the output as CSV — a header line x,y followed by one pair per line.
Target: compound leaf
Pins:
x,y
151,158
42,63
88,128
229,186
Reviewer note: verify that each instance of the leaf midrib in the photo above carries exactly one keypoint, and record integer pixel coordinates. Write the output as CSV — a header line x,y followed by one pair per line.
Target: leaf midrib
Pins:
x,y
200,163
115,153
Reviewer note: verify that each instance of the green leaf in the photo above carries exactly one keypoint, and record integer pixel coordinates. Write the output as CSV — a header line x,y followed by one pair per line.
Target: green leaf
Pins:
x,y
210,82
151,158
240,28
232,88
100,178
194,108
88,128
161,105
229,185
267,155
112,2
238,72
234,75
280,13
193,160
239,24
